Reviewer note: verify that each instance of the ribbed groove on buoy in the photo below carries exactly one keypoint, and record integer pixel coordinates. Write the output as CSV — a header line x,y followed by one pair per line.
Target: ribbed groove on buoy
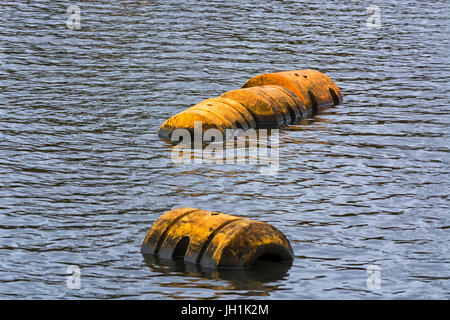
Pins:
x,y
266,101
224,111
313,86
210,237
269,93
214,239
163,235
239,108
296,107
266,113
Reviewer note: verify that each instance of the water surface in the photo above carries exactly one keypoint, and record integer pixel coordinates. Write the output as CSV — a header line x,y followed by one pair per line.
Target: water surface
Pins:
x,y
83,174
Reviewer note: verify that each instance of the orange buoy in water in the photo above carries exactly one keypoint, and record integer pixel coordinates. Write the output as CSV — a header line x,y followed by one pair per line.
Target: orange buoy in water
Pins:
x,y
315,89
216,113
262,107
266,101
214,239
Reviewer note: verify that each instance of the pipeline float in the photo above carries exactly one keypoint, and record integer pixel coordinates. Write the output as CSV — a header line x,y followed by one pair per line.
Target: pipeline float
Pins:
x,y
215,240
266,101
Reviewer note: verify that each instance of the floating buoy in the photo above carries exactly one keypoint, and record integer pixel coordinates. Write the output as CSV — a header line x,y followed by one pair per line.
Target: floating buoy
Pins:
x,y
216,113
315,89
266,101
270,106
214,239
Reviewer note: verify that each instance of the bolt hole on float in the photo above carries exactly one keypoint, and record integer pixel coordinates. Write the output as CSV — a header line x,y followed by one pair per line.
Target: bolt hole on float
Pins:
x,y
266,101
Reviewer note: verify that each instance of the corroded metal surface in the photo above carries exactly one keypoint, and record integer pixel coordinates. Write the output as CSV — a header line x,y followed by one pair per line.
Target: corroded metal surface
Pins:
x,y
215,240
265,101
315,89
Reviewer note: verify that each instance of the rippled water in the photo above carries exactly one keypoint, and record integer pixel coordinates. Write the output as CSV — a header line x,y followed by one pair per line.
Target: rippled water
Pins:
x,y
83,174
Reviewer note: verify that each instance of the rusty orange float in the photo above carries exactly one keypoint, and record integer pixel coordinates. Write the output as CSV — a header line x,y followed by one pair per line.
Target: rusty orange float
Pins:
x,y
215,240
266,101
315,89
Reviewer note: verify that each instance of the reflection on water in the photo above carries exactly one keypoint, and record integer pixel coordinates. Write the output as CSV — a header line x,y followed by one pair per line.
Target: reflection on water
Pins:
x,y
83,174
260,280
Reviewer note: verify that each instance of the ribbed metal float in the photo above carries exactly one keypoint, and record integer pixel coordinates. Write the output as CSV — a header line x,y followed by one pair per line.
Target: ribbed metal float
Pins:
x,y
265,101
214,239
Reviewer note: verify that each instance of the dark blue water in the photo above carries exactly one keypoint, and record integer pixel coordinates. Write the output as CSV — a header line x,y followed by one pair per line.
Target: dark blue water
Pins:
x,y
83,174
